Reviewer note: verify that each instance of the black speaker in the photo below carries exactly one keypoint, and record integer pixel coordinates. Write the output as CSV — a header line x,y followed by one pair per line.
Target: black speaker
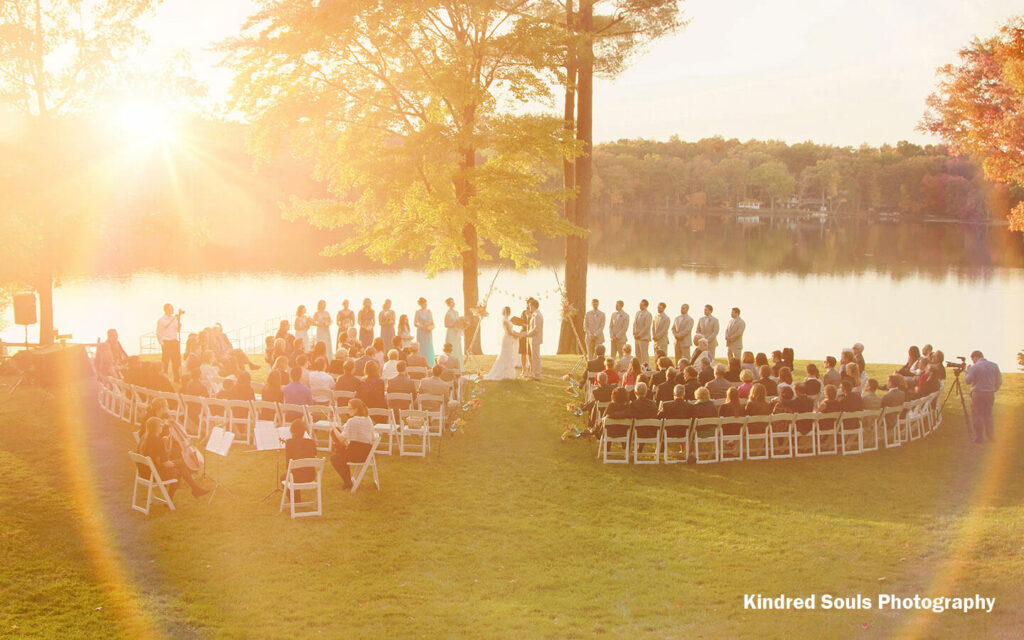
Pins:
x,y
25,308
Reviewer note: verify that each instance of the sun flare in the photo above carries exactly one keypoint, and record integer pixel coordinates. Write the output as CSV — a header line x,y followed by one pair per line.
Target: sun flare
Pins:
x,y
144,121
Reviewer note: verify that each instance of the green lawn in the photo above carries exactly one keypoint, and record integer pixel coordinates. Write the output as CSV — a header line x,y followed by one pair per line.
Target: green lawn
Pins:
x,y
507,531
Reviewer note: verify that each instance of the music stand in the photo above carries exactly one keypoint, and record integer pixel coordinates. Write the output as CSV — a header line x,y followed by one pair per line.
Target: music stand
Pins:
x,y
219,443
268,438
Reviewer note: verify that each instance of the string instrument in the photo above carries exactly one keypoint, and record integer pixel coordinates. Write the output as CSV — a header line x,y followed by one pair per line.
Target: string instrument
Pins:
x,y
190,454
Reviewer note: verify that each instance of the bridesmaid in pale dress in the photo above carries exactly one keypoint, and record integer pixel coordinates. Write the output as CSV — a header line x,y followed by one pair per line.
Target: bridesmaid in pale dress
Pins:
x,y
403,330
386,319
453,322
322,322
424,321
302,324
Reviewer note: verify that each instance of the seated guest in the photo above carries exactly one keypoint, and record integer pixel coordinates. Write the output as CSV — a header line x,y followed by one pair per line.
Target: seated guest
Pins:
x,y
845,358
268,349
362,361
658,377
733,373
347,381
732,409
786,402
666,390
623,364
787,357
719,385
401,382
283,329
937,358
320,382
619,408
209,374
633,374
610,372
703,407
242,388
771,388
757,405
353,440
282,365
337,366
595,365
812,383
415,359
858,356
690,383
748,362
643,407
448,374
701,352
155,379
602,391
851,372
895,396
869,396
802,403
831,403
760,360
272,390
776,363
785,379
295,392
677,408
831,376
299,447
371,391
378,352
705,371
118,355
452,362
922,362
436,386
226,389
928,382
746,382
391,366
170,466
849,398
192,382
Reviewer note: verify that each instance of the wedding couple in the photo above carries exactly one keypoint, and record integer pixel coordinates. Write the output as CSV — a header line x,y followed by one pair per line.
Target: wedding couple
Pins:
x,y
504,367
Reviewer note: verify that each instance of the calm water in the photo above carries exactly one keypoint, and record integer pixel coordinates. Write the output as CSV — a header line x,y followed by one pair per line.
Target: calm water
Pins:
x,y
814,288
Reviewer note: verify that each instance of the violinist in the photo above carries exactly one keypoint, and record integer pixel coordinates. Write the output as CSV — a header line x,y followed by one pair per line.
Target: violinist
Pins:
x,y
154,444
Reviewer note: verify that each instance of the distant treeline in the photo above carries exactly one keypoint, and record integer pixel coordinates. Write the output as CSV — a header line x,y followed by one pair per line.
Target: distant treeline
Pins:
x,y
908,179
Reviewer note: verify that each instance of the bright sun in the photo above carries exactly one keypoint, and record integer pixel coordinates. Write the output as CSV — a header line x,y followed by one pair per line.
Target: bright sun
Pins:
x,y
144,121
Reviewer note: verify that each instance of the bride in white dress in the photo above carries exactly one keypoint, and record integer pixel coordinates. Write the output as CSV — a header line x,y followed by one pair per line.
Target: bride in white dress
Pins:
x,y
504,367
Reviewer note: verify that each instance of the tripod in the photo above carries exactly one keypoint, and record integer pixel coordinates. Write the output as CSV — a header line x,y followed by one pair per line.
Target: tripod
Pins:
x,y
960,394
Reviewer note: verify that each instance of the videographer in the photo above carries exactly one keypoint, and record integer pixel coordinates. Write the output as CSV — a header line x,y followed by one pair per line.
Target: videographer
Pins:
x,y
168,332
985,379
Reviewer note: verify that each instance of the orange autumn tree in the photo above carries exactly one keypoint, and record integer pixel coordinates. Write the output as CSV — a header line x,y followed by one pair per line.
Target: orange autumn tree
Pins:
x,y
978,108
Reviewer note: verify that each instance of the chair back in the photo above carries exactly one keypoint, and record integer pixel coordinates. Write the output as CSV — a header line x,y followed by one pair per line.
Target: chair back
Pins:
x,y
647,428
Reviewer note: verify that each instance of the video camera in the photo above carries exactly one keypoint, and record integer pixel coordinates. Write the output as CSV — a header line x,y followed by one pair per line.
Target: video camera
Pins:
x,y
957,366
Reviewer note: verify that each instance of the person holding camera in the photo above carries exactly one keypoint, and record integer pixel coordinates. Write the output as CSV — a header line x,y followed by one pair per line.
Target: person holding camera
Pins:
x,y
985,379
168,332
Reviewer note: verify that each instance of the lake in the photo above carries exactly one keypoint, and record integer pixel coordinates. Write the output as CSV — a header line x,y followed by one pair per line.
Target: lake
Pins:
x,y
814,287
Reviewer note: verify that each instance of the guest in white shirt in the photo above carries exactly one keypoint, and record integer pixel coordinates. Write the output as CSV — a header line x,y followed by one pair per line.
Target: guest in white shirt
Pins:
x,y
320,382
390,369
352,441
168,329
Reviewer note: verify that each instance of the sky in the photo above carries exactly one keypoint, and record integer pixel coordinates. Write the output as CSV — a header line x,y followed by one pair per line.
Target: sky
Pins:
x,y
830,71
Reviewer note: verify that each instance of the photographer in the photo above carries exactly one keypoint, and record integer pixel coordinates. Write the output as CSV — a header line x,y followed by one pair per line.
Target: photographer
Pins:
x,y
985,379
168,332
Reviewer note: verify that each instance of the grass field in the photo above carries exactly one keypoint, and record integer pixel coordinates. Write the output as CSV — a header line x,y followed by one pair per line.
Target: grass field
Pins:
x,y
507,532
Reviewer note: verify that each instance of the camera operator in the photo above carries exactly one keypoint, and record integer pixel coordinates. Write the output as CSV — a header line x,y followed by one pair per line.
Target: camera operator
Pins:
x,y
985,379
168,332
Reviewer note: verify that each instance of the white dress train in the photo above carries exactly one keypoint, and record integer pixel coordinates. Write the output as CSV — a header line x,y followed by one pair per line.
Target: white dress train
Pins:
x,y
504,368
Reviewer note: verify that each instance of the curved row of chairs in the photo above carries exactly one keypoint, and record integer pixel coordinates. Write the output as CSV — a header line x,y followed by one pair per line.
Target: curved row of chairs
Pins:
x,y
763,437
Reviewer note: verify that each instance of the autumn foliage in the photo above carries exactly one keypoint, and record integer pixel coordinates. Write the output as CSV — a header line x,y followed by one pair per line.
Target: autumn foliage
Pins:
x,y
979,106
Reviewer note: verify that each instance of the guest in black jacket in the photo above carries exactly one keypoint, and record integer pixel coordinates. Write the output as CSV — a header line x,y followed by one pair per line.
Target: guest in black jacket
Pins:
x,y
642,408
677,408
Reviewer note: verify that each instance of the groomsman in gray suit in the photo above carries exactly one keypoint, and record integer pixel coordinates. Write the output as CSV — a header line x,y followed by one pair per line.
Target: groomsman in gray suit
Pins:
x,y
682,328
618,327
659,332
642,334
593,328
734,334
707,326
535,336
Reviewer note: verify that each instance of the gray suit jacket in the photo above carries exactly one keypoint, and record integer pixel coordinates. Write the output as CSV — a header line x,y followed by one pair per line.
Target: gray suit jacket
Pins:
x,y
707,326
682,327
734,331
536,330
642,325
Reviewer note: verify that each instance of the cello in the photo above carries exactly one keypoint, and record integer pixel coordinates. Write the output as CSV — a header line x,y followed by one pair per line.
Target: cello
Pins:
x,y
190,454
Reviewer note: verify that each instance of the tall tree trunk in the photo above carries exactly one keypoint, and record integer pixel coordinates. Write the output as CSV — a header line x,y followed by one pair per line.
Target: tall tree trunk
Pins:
x,y
471,255
577,247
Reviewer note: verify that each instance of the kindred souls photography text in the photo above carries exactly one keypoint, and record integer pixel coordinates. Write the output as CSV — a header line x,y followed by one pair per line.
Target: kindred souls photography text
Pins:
x,y
883,601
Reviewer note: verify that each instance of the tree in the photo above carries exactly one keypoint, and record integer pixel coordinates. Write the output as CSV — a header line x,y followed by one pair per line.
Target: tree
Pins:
x,y
56,59
774,180
403,109
599,36
979,106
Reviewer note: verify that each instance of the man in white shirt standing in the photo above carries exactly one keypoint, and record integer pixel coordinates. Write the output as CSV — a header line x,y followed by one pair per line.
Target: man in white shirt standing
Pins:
x,y
682,328
659,330
618,325
707,326
642,334
168,332
593,328
535,337
734,334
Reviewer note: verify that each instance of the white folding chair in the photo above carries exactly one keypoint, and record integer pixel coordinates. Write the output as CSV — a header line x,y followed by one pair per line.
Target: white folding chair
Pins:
x,y
369,463
915,418
675,432
321,419
804,437
290,486
781,432
141,397
870,425
756,432
413,434
417,373
615,431
646,432
851,431
730,445
434,406
826,430
192,418
235,416
156,488
889,422
292,411
384,425
707,434
124,400
268,414
341,398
